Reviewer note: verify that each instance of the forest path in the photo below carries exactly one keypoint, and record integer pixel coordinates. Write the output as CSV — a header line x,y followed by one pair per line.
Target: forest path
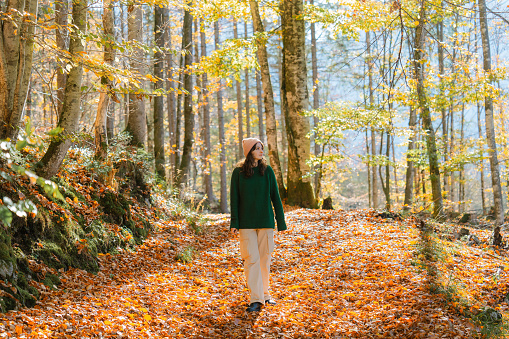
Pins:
x,y
335,275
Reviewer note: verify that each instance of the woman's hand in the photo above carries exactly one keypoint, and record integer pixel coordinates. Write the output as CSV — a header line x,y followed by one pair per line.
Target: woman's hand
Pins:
x,y
234,230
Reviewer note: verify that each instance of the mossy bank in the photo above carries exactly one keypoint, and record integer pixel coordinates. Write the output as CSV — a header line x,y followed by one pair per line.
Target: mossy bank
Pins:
x,y
93,218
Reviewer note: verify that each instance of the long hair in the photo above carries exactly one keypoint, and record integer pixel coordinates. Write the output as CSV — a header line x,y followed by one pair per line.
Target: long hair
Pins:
x,y
246,165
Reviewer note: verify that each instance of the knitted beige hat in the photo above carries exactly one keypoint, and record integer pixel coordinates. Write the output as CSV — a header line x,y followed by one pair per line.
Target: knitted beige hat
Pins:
x,y
248,143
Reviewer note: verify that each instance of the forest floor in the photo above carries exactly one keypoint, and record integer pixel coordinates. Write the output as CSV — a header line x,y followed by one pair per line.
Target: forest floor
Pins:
x,y
335,274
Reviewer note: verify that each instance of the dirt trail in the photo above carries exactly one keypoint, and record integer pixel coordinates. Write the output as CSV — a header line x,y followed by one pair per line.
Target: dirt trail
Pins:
x,y
335,275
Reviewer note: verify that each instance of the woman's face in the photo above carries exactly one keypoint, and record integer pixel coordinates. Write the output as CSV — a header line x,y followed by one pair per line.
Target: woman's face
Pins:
x,y
258,152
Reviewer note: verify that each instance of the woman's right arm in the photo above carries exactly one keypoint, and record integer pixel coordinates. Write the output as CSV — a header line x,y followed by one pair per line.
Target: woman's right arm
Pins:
x,y
234,200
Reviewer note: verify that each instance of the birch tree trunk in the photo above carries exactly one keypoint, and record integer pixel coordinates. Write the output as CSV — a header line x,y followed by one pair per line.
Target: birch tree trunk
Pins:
x,y
490,127
100,128
240,154
426,115
16,54
137,118
300,191
50,163
187,38
268,99
220,117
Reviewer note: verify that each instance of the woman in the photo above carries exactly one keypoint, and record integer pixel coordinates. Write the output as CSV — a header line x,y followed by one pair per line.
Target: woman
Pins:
x,y
253,192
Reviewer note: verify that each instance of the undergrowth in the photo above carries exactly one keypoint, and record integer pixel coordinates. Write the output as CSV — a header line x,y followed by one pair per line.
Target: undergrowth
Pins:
x,y
432,255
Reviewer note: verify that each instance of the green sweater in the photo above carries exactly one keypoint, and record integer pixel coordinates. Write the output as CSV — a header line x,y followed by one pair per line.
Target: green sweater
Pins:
x,y
250,200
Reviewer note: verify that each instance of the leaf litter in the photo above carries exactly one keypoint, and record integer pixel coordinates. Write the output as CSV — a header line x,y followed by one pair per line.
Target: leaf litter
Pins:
x,y
335,274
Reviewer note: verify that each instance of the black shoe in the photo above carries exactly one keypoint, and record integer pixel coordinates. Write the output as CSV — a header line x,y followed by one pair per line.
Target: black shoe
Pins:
x,y
254,307
270,302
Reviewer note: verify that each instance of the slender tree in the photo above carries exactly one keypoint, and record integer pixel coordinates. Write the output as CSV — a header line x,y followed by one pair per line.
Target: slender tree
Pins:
x,y
207,171
187,41
50,163
259,108
159,27
248,113
62,42
374,178
300,191
316,96
425,113
222,141
137,119
16,55
100,128
490,127
170,97
240,153
268,98
410,170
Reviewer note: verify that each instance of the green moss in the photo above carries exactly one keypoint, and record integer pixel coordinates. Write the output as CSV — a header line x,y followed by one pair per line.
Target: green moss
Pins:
x,y
52,254
7,303
116,208
51,280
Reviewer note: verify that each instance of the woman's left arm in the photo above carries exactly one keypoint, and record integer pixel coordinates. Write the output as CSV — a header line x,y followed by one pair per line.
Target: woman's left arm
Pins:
x,y
276,201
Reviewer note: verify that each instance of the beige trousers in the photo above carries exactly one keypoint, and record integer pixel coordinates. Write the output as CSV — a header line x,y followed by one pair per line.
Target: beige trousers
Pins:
x,y
256,246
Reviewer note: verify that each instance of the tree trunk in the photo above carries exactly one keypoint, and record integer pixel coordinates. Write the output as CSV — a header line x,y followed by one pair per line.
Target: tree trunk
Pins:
x,y
110,120
409,181
259,107
395,173
481,162
62,42
100,128
490,127
426,115
462,166
479,127
220,117
16,54
441,72
137,118
248,113
387,185
374,174
300,192
207,176
268,100
170,98
57,150
187,41
160,24
316,100
370,202
284,107
178,117
240,154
